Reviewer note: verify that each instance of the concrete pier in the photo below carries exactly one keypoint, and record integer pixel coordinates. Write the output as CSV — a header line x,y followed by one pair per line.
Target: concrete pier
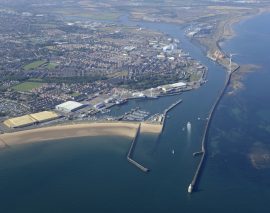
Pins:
x,y
131,151
168,110
194,182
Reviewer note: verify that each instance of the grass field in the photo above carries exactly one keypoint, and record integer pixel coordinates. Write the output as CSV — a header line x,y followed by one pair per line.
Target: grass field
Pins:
x,y
34,65
75,94
51,66
27,86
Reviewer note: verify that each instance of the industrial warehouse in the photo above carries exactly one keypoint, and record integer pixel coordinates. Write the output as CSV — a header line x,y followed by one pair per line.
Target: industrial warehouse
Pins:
x,y
28,120
69,106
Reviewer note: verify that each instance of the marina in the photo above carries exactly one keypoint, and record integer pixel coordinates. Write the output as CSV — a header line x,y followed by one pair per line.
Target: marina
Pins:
x,y
135,115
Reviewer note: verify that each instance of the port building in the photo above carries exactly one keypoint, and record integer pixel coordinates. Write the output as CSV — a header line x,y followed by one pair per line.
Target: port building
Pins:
x,y
172,87
44,116
21,121
69,106
31,119
99,105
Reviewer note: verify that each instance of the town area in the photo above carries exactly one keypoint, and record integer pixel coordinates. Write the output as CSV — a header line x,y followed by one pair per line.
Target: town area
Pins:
x,y
56,67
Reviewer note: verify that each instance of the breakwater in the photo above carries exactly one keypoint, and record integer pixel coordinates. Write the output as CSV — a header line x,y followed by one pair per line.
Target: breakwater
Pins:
x,y
194,183
168,110
131,151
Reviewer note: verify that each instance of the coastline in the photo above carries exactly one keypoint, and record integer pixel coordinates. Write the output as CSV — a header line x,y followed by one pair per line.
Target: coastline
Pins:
x,y
229,33
123,129
228,29
225,31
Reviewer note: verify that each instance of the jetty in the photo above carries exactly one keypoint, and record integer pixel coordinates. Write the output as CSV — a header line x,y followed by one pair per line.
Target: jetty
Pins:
x,y
194,183
168,110
131,151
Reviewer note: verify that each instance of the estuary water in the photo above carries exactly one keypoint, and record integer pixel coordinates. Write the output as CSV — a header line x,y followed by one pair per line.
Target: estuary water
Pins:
x,y
92,174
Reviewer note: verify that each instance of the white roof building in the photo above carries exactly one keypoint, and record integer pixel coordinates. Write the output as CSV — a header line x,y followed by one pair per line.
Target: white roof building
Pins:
x,y
179,84
69,106
170,87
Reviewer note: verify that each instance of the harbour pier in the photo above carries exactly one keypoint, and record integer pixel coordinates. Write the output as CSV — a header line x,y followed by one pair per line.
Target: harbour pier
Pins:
x,y
131,151
168,110
194,183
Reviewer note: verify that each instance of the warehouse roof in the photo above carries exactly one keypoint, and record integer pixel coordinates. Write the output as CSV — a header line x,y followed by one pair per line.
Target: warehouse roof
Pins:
x,y
28,120
19,121
179,84
70,105
45,115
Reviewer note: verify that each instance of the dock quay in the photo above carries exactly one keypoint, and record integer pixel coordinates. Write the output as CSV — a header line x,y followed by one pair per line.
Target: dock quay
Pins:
x,y
169,94
131,151
168,110
194,183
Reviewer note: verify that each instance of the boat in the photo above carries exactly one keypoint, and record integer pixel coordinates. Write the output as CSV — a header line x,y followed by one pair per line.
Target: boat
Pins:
x,y
120,101
152,97
190,188
188,126
173,151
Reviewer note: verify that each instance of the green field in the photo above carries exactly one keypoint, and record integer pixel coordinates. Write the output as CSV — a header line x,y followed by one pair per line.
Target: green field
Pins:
x,y
34,65
51,66
27,86
75,94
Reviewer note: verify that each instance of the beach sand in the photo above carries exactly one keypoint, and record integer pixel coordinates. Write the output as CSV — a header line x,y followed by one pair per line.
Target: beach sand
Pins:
x,y
123,129
151,128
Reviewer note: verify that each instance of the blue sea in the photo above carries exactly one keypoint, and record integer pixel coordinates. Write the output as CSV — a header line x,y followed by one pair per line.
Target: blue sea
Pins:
x,y
92,174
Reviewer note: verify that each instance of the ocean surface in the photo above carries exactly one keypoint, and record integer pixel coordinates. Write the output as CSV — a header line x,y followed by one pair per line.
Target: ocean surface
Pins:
x,y
92,174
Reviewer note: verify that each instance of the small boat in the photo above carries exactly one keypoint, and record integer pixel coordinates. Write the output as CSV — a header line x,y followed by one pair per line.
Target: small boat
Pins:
x,y
190,188
173,151
188,126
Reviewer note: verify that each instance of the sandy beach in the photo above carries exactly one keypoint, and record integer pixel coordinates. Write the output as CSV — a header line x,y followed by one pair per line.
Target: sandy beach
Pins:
x,y
123,129
151,128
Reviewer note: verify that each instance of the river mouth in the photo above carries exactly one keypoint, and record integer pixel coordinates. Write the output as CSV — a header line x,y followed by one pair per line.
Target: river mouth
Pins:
x,y
102,175
72,175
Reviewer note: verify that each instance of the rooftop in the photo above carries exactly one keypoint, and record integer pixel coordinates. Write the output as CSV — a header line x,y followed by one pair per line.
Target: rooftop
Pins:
x,y
45,115
70,105
19,121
